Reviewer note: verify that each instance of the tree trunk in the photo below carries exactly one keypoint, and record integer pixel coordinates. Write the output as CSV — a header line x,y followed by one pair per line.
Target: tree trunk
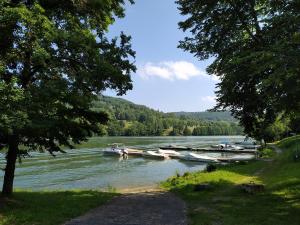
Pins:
x,y
9,175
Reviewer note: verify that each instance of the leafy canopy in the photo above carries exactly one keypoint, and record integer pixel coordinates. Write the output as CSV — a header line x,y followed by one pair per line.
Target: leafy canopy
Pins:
x,y
54,61
256,49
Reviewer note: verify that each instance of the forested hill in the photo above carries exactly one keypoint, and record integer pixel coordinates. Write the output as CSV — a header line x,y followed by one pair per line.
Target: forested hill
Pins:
x,y
211,116
129,119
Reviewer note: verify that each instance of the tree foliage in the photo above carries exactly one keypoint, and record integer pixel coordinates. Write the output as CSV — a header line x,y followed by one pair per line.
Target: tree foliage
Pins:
x,y
208,115
54,61
256,49
129,119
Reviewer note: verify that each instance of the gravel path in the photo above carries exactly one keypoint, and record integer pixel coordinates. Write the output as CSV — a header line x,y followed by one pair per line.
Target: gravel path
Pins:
x,y
153,208
276,148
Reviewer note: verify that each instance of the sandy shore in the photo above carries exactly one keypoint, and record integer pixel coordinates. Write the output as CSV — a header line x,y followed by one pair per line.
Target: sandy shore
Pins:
x,y
142,189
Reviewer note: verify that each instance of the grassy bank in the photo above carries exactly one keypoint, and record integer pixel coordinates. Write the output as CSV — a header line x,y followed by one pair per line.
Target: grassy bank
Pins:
x,y
224,203
49,208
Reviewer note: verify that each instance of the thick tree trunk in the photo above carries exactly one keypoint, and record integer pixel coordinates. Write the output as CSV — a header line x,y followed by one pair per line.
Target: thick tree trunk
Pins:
x,y
9,175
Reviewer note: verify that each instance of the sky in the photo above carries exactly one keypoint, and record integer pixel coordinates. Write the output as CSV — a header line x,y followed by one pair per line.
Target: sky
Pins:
x,y
167,78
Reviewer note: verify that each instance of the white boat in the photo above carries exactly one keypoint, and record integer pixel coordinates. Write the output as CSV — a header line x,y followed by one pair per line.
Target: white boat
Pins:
x,y
197,157
248,145
218,146
236,147
237,158
116,150
227,147
119,152
155,155
169,152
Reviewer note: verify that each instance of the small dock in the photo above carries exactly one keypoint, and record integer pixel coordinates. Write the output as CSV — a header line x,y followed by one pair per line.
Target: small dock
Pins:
x,y
176,148
224,151
251,151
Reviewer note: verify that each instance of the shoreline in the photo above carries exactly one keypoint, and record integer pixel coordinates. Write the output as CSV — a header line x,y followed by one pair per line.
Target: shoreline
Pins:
x,y
140,189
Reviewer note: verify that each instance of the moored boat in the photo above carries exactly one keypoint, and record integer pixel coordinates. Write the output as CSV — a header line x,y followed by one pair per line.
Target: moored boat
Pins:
x,y
170,153
237,158
155,155
198,158
218,146
249,145
116,150
227,147
236,147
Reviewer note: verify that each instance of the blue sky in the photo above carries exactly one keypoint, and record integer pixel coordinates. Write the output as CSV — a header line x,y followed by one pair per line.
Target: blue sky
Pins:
x,y
167,79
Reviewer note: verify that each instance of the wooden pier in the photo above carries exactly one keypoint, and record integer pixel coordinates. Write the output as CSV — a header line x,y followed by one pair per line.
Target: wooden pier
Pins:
x,y
176,148
224,151
251,151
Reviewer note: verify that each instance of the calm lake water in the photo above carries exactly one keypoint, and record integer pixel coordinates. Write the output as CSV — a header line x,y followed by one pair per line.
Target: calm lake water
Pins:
x,y
87,168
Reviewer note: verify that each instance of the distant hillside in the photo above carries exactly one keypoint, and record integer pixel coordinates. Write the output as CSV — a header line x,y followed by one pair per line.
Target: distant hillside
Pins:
x,y
122,109
129,119
210,116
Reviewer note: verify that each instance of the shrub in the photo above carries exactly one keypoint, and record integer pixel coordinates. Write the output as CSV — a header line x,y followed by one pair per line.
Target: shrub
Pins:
x,y
186,174
211,167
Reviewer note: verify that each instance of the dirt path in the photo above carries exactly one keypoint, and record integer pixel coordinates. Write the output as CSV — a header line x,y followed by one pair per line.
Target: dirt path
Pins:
x,y
148,208
276,148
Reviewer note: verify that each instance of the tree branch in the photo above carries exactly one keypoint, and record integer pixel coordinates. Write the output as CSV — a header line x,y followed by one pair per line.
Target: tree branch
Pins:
x,y
245,25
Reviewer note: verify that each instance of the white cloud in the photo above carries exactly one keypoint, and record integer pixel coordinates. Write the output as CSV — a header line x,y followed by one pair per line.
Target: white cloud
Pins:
x,y
215,78
209,99
171,70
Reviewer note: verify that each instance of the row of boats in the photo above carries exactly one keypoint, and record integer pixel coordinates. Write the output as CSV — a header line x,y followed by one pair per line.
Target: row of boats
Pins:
x,y
223,147
161,154
167,154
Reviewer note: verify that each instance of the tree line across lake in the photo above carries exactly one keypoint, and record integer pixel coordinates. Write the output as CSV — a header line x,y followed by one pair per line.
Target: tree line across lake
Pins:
x,y
129,119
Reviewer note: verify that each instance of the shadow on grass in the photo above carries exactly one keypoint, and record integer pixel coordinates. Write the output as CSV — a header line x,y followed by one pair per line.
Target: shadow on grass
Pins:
x,y
49,208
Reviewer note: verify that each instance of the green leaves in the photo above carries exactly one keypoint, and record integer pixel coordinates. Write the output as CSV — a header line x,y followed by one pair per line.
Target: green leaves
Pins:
x,y
54,61
256,50
12,114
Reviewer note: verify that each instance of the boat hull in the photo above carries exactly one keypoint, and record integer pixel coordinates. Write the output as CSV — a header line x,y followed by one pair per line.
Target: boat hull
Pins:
x,y
198,158
110,153
154,155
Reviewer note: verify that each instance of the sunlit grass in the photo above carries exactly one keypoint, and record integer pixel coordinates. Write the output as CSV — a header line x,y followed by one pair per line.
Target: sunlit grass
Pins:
x,y
226,204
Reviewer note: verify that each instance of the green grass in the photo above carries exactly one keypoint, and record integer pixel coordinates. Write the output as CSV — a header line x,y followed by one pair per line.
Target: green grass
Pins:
x,y
226,204
49,208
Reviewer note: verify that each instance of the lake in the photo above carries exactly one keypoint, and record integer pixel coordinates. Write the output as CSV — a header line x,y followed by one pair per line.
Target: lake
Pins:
x,y
87,168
